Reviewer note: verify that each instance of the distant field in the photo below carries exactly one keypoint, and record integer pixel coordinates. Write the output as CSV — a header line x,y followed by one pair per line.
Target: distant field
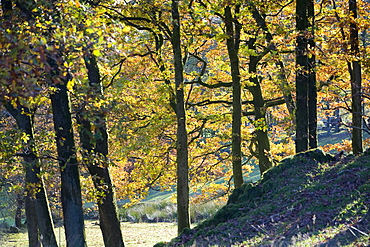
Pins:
x,y
135,235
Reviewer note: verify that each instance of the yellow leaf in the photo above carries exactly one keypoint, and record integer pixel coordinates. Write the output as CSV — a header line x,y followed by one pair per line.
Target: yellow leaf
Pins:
x,y
126,29
97,53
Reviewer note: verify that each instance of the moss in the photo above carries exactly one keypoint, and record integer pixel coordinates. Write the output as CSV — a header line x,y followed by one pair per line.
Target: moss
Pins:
x,y
250,193
364,188
284,165
233,198
317,154
267,186
161,244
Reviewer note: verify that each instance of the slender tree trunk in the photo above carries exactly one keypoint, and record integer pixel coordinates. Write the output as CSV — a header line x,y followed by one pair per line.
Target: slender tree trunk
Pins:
x,y
312,89
71,190
109,221
38,215
36,198
18,212
263,143
356,87
283,85
232,48
41,204
182,138
302,114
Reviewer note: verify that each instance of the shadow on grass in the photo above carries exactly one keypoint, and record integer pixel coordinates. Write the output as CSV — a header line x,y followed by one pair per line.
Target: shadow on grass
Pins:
x,y
311,199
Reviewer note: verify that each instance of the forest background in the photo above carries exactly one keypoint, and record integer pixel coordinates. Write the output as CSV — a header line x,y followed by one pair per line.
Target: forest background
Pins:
x,y
194,94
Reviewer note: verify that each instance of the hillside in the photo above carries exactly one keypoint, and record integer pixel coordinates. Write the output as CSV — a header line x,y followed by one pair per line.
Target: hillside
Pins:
x,y
311,199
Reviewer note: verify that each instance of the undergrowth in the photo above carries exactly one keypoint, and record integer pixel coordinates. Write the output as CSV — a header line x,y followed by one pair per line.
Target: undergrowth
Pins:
x,y
166,211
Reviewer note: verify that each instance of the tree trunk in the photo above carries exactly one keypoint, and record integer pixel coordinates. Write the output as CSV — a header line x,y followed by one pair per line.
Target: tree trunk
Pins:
x,y
312,89
232,48
284,87
71,190
18,212
302,114
36,198
182,139
32,227
263,143
355,73
109,221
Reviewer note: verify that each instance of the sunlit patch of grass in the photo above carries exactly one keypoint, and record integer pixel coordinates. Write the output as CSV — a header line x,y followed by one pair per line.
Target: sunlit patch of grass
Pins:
x,y
166,211
204,211
13,239
252,241
353,208
156,211
147,234
322,236
134,234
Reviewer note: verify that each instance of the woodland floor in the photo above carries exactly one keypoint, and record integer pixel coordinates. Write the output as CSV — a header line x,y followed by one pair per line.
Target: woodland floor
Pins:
x,y
135,235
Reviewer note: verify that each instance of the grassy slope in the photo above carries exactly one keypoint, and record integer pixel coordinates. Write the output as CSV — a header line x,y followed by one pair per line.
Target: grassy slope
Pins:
x,y
308,200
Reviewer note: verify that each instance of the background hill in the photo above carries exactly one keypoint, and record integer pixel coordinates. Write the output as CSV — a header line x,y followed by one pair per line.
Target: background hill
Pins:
x,y
311,199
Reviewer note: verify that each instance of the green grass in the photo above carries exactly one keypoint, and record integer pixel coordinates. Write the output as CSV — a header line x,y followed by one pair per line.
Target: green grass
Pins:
x,y
308,200
166,211
135,235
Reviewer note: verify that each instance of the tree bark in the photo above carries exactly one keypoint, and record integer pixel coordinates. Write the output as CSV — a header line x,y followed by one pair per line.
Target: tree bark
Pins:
x,y
284,87
356,87
263,143
18,212
182,139
71,190
232,48
70,176
98,143
312,89
31,221
302,76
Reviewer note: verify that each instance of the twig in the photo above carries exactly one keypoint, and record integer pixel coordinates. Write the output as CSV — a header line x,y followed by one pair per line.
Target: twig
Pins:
x,y
363,233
